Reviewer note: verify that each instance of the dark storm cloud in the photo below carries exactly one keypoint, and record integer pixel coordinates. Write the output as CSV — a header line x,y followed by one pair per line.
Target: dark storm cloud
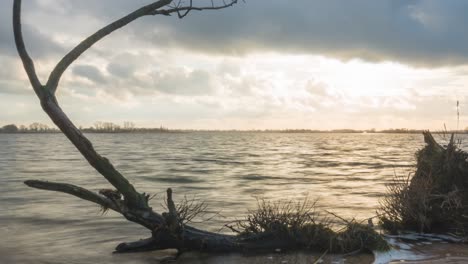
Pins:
x,y
418,32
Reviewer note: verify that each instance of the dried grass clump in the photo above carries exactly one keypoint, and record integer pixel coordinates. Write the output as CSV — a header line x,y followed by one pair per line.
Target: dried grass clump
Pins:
x,y
356,237
435,199
298,225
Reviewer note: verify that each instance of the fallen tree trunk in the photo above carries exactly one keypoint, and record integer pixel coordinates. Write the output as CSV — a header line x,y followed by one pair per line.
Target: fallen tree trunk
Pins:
x,y
272,227
169,230
283,229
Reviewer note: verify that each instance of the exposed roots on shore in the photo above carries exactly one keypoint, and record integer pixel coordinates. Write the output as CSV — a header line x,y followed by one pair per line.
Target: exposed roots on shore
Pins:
x,y
435,198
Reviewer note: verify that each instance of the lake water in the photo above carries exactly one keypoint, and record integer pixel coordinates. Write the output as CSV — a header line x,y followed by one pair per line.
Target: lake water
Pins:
x,y
347,173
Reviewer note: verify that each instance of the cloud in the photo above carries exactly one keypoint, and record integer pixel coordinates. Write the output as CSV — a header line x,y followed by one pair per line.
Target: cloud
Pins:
x,y
316,88
422,33
289,61
229,67
124,65
184,82
89,72
427,33
12,77
139,79
39,45
120,70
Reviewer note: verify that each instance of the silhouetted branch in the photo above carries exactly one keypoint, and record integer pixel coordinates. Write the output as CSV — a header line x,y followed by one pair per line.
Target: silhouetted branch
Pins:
x,y
27,61
56,74
50,105
75,191
183,11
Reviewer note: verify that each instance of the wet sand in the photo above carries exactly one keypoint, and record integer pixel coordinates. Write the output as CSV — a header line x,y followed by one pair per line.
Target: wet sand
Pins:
x,y
275,258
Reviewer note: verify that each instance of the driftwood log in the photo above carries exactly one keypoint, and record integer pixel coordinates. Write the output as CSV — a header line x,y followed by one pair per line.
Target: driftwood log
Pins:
x,y
273,227
166,229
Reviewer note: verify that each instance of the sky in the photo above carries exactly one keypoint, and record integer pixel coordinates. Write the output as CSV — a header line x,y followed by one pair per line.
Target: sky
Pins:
x,y
262,64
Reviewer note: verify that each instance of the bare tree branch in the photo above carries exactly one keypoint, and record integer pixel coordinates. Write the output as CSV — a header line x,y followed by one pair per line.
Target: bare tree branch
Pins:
x,y
51,107
75,191
56,74
146,218
27,61
178,9
186,11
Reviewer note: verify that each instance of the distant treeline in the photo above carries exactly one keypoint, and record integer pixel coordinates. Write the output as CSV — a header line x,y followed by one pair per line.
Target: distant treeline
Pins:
x,y
32,128
396,130
347,131
99,127
129,127
109,127
367,131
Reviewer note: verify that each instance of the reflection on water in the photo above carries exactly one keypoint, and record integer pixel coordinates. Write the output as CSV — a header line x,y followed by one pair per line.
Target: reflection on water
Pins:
x,y
347,172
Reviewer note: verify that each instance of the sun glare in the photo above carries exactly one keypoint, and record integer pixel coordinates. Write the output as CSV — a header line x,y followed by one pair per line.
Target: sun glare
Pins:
x,y
354,78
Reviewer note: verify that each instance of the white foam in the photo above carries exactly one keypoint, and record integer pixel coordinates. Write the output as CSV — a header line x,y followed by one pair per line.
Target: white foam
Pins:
x,y
400,251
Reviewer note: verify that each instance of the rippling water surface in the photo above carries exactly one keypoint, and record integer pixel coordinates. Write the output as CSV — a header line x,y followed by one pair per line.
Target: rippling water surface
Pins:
x,y
346,172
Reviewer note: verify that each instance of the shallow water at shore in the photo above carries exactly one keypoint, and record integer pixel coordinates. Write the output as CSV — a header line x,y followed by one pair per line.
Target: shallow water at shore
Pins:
x,y
346,172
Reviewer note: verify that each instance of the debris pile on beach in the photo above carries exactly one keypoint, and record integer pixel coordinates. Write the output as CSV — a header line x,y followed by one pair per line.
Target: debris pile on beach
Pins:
x,y
433,199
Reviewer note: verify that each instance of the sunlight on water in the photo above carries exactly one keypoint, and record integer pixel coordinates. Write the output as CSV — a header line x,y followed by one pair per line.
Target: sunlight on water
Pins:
x,y
346,172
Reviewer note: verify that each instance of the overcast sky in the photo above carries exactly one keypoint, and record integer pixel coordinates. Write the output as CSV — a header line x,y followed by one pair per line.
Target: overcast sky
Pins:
x,y
261,64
